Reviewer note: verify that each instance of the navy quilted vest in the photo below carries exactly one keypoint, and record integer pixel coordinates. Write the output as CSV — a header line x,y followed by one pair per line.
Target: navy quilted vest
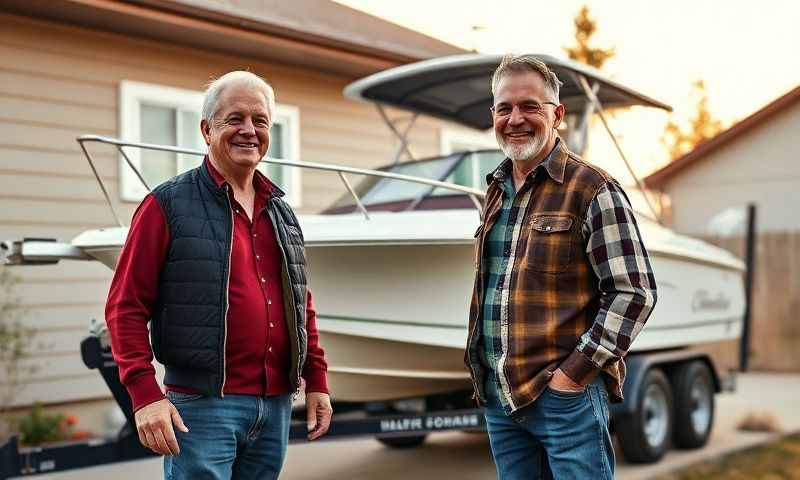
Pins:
x,y
188,323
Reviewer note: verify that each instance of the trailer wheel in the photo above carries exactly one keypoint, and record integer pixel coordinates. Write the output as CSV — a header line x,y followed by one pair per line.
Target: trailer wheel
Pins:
x,y
405,441
694,404
644,436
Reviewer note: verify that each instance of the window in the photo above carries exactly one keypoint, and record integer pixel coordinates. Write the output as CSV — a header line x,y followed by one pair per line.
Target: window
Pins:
x,y
473,170
171,116
284,144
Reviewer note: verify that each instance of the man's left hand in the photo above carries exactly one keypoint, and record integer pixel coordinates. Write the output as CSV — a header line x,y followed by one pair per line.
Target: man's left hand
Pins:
x,y
318,411
562,383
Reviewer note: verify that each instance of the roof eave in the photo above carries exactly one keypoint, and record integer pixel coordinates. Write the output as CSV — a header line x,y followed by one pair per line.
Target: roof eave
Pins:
x,y
234,36
277,23
657,179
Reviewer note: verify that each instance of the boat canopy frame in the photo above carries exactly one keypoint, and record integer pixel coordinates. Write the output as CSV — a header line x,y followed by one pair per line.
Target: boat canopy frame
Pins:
x,y
457,88
473,193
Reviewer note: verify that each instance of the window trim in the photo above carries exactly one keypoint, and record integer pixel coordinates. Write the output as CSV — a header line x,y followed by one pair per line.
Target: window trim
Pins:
x,y
448,136
131,96
289,115
481,140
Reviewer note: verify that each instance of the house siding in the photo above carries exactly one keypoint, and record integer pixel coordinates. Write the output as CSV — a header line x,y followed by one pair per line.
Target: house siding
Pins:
x,y
58,82
761,166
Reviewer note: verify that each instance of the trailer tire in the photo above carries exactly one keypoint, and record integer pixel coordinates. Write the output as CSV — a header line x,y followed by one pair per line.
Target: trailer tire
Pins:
x,y
405,441
644,436
693,386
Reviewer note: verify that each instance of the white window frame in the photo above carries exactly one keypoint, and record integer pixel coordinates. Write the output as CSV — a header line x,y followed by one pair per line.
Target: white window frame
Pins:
x,y
289,115
480,140
133,94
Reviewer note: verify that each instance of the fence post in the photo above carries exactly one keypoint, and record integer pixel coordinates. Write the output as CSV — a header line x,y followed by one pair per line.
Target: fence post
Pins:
x,y
750,261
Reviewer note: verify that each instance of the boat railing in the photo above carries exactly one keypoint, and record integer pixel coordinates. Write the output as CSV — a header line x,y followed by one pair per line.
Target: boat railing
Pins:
x,y
473,193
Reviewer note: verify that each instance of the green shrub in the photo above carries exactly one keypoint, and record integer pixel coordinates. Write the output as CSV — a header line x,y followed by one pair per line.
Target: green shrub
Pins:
x,y
15,342
38,427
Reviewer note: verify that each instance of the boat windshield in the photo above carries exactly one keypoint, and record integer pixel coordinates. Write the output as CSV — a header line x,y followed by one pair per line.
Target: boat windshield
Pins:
x,y
462,168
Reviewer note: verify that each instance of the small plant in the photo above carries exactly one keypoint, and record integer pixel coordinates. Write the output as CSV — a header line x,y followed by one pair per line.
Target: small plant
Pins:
x,y
15,340
38,427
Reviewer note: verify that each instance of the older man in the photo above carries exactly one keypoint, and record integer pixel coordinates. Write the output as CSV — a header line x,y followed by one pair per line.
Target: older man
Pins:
x,y
215,262
563,286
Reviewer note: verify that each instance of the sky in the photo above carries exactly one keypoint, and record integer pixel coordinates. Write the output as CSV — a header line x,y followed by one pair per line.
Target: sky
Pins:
x,y
746,52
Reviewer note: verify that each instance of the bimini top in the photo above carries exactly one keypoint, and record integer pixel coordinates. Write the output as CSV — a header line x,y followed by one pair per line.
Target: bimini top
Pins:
x,y
458,88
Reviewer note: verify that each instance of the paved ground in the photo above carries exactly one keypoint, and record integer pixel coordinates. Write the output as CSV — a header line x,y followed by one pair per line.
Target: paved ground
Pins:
x,y
466,456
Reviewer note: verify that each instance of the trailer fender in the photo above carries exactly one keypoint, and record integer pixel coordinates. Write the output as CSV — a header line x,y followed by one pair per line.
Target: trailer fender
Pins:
x,y
639,363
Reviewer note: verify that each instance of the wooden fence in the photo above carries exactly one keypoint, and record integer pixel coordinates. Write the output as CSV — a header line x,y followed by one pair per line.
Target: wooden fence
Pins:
x,y
775,328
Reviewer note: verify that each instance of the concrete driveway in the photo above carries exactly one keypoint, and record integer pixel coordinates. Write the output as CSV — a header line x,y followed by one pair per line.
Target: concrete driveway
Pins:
x,y
466,456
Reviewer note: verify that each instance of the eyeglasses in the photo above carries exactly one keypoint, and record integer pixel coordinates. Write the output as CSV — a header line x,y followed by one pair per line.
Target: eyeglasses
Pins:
x,y
527,108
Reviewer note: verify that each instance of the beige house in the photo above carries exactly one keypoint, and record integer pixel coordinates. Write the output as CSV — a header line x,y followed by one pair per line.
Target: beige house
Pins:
x,y
136,70
755,161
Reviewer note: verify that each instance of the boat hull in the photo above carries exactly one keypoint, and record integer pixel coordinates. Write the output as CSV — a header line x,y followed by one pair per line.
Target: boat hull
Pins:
x,y
369,368
393,318
393,296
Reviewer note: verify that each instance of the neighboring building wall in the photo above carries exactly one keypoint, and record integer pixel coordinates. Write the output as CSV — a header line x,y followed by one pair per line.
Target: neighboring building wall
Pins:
x,y
58,82
761,166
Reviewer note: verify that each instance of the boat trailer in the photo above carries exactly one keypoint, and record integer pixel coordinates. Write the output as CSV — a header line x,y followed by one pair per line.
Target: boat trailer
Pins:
x,y
371,419
392,428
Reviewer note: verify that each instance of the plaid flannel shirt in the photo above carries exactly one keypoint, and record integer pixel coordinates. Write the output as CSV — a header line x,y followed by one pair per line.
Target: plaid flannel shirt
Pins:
x,y
564,281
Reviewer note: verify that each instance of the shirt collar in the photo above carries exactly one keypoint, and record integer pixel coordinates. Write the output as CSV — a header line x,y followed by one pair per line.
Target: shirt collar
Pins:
x,y
261,184
219,180
554,164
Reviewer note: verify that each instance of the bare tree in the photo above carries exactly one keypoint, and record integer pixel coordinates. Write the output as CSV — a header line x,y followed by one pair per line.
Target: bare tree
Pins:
x,y
702,126
585,26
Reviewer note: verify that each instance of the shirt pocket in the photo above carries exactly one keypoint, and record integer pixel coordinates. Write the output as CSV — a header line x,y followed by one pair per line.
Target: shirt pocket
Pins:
x,y
550,243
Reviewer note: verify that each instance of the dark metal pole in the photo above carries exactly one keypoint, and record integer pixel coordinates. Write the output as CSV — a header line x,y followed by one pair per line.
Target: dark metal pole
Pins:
x,y
750,261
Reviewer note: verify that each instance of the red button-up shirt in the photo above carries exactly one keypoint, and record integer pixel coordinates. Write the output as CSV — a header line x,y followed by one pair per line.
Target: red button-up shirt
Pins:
x,y
257,345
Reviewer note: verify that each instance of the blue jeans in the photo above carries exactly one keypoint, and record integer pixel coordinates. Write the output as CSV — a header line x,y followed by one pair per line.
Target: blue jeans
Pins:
x,y
237,437
560,436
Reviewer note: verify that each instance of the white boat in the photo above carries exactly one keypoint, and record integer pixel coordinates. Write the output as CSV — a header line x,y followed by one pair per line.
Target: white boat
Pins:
x,y
391,267
395,327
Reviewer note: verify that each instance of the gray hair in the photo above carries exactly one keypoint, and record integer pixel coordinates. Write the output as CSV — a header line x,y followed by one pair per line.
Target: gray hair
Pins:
x,y
524,64
216,87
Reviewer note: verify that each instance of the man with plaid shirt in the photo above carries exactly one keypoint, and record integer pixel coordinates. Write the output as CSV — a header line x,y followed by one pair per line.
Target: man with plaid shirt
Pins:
x,y
563,285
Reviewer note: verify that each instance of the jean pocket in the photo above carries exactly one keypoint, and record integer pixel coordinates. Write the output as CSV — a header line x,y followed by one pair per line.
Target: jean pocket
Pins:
x,y
565,394
180,397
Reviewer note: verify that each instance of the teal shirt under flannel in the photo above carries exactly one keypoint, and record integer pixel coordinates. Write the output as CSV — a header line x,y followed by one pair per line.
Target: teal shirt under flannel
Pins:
x,y
496,262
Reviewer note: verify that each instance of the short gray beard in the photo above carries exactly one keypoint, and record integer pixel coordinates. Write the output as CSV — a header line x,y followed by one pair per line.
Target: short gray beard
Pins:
x,y
519,153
